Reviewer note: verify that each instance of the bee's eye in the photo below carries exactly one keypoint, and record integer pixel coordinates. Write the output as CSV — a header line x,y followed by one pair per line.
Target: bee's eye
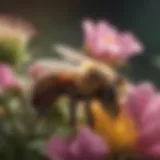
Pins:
x,y
109,100
110,92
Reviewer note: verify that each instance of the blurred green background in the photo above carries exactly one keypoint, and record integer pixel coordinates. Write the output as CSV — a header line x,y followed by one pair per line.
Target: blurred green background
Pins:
x,y
60,21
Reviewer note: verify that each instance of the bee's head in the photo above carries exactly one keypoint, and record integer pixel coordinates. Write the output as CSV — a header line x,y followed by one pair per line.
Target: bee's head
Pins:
x,y
111,95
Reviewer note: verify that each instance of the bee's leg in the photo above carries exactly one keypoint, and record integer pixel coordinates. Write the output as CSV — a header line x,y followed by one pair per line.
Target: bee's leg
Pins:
x,y
112,108
108,99
88,111
72,112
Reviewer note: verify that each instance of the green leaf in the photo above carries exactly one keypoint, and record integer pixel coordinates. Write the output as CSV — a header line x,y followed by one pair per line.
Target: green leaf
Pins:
x,y
37,145
34,155
63,130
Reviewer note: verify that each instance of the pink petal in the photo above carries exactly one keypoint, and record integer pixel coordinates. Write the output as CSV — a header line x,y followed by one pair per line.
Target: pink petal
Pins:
x,y
149,133
154,150
106,43
89,144
89,29
148,141
84,146
7,77
152,111
57,148
107,40
139,99
130,45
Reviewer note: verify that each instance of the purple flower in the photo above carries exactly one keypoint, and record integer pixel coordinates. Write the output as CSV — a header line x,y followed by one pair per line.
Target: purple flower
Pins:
x,y
105,42
85,146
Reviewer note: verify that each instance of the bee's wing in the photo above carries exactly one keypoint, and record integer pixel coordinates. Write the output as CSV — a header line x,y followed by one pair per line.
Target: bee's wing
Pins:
x,y
78,57
70,54
55,66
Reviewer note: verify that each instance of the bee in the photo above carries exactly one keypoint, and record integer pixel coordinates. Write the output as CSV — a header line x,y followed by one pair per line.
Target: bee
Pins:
x,y
81,79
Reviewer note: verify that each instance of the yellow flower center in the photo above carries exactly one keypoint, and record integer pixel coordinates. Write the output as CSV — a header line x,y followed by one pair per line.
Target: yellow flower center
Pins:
x,y
109,40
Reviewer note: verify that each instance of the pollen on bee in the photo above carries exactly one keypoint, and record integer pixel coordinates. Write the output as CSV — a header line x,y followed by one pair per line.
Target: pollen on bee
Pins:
x,y
87,66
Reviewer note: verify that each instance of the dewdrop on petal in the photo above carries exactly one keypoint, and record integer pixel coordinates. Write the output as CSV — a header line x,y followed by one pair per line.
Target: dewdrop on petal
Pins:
x,y
15,35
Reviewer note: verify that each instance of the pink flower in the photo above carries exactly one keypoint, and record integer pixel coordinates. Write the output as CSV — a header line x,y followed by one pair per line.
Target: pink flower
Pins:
x,y
7,77
85,146
15,28
149,137
57,148
105,42
144,106
139,96
130,44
